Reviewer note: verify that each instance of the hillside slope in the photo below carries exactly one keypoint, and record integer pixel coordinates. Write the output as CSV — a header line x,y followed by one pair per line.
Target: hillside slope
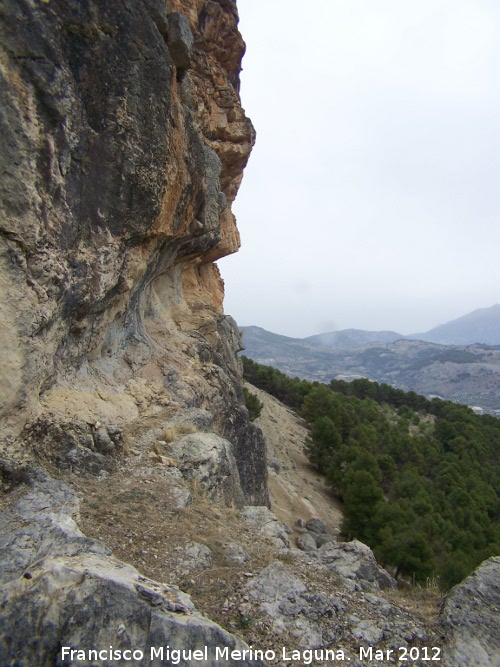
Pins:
x,y
348,338
295,488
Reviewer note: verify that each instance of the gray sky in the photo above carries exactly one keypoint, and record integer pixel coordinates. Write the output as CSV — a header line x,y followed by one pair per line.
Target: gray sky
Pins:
x,y
371,199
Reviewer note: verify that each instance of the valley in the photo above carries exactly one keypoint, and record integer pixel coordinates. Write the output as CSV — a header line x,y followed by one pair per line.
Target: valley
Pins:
x,y
468,374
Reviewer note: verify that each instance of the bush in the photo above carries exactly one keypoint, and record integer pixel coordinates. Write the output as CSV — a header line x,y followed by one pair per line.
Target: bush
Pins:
x,y
253,405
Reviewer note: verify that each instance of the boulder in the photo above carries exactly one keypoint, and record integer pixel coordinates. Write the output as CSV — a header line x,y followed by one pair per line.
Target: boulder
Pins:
x,y
74,445
275,465
207,460
306,542
323,538
317,526
355,564
310,618
470,615
236,554
263,518
194,556
180,40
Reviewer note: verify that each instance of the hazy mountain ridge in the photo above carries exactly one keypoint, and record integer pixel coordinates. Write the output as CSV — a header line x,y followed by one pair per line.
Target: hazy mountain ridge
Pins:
x,y
480,326
353,338
467,374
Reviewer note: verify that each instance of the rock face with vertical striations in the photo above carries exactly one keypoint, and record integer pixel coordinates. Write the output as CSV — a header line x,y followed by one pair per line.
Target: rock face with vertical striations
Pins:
x,y
123,147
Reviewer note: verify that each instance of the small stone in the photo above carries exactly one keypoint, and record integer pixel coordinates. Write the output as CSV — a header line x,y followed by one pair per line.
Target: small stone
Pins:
x,y
236,553
275,465
323,538
306,542
317,526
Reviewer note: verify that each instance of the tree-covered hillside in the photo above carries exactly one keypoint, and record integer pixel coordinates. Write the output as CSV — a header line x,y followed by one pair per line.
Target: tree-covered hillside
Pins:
x,y
420,479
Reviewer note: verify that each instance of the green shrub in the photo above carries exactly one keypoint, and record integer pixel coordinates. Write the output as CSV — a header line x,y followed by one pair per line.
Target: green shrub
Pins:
x,y
253,405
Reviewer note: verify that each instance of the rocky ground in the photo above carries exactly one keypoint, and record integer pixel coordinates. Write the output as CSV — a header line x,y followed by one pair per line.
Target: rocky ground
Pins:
x,y
242,567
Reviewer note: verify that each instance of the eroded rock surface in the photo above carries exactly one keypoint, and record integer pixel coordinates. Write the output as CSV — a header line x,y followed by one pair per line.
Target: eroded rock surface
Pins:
x,y
60,588
207,460
305,605
124,143
267,522
471,617
355,564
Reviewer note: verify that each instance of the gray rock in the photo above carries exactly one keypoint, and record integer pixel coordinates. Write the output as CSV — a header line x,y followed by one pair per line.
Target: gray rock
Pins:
x,y
70,445
180,40
236,553
317,526
306,542
103,441
46,514
275,582
355,563
82,460
310,618
367,632
323,538
471,617
249,445
197,417
59,588
263,518
177,488
222,199
194,556
208,460
275,465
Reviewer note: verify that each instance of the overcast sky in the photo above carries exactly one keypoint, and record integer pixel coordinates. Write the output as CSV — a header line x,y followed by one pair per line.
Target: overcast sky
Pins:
x,y
371,199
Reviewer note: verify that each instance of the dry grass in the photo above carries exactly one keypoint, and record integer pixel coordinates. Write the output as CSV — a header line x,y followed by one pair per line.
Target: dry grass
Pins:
x,y
173,433
137,521
421,601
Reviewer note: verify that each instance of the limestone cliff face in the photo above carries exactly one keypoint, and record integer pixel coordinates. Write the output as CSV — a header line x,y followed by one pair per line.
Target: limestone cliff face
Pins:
x,y
124,143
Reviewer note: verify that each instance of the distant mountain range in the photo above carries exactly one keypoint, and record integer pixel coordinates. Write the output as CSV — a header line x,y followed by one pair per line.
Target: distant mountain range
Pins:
x,y
459,360
480,326
348,338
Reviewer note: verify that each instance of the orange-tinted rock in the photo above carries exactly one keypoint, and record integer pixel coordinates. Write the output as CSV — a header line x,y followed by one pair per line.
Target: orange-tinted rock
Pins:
x,y
124,143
